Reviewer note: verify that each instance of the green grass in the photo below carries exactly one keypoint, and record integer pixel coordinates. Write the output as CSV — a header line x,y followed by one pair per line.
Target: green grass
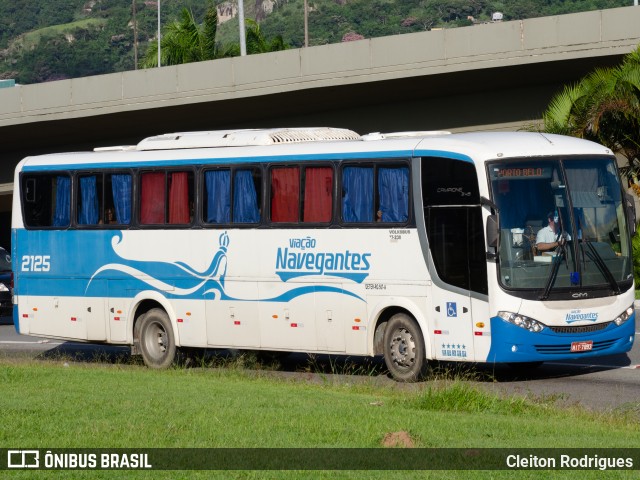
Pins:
x,y
58,404
31,39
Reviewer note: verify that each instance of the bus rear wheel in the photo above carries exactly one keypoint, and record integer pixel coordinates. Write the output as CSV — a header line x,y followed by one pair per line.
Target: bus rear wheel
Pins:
x,y
404,350
157,342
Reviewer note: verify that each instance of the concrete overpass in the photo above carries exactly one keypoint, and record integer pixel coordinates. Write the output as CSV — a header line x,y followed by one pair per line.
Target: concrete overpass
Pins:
x,y
497,76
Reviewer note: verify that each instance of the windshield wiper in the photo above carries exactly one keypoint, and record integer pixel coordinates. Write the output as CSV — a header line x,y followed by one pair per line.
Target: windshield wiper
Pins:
x,y
595,257
555,266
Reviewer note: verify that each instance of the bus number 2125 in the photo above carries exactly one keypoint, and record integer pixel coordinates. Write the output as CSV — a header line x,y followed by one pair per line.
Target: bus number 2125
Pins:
x,y
36,263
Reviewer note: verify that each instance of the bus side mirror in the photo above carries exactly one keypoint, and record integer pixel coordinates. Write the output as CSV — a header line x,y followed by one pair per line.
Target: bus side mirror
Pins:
x,y
631,213
492,231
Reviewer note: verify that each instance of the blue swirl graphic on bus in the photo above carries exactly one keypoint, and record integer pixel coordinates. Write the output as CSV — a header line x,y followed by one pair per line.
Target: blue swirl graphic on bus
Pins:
x,y
126,276
186,281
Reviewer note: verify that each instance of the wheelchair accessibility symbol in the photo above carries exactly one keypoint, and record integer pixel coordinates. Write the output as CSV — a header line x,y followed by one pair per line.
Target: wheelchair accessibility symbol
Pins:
x,y
451,309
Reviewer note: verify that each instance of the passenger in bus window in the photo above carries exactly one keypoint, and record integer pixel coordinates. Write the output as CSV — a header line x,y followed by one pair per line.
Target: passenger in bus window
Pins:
x,y
109,216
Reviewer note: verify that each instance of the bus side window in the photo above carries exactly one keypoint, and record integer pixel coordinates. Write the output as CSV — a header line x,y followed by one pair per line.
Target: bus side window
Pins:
x,y
117,199
318,198
180,198
152,193
217,203
357,194
246,194
62,192
285,194
166,198
37,200
393,194
89,199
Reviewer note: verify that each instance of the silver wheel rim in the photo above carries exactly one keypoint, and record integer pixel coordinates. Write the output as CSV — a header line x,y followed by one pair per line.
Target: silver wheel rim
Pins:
x,y
403,348
156,340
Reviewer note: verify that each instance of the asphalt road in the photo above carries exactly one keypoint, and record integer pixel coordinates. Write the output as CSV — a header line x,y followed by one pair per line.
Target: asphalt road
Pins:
x,y
601,384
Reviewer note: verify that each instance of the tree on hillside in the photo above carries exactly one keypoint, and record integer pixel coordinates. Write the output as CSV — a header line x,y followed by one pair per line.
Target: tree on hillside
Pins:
x,y
604,107
186,41
256,41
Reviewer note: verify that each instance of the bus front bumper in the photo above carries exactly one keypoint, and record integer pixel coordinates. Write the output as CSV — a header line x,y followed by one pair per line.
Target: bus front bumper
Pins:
x,y
512,344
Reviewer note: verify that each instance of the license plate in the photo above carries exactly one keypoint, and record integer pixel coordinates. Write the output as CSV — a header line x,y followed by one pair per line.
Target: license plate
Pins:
x,y
582,346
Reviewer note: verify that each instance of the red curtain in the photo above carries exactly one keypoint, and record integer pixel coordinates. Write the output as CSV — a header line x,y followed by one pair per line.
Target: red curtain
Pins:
x,y
317,194
285,194
152,198
179,211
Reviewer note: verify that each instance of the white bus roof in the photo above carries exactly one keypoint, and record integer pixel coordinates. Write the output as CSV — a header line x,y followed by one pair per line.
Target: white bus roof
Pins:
x,y
306,143
244,138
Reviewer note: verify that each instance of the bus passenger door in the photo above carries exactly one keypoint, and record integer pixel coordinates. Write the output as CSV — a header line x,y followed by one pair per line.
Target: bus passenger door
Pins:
x,y
457,263
459,271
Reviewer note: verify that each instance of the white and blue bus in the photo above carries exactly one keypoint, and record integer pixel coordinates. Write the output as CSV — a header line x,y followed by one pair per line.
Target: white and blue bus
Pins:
x,y
416,246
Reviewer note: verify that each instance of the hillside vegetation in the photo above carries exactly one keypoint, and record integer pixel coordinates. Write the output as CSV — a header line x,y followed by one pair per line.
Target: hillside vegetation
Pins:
x,y
57,39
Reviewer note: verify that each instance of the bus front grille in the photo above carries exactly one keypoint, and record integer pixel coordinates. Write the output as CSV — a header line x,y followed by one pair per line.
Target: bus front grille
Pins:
x,y
582,329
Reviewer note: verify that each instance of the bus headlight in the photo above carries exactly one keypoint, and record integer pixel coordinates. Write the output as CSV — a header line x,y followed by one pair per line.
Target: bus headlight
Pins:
x,y
624,316
3,288
522,321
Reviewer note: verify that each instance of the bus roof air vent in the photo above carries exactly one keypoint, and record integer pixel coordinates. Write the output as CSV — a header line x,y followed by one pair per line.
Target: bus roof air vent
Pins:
x,y
243,138
291,135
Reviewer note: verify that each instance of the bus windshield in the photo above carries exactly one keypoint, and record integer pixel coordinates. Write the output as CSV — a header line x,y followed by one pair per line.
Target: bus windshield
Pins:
x,y
562,224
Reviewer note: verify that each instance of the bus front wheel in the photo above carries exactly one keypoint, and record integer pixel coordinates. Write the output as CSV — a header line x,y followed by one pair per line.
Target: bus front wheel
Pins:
x,y
404,350
157,342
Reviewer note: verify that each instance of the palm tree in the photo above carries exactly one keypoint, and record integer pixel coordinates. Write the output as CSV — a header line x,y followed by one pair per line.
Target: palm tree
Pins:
x,y
257,43
604,107
187,41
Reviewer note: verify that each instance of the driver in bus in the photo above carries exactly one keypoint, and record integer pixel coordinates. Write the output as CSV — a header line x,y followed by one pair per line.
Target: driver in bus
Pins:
x,y
548,238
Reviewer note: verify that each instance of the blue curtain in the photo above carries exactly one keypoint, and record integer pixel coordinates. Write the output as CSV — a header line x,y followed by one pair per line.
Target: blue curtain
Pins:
x,y
521,203
357,202
218,196
393,190
245,199
88,214
62,214
121,188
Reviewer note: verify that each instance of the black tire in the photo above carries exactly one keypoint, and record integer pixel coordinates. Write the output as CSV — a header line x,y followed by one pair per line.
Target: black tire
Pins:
x,y
157,342
404,350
